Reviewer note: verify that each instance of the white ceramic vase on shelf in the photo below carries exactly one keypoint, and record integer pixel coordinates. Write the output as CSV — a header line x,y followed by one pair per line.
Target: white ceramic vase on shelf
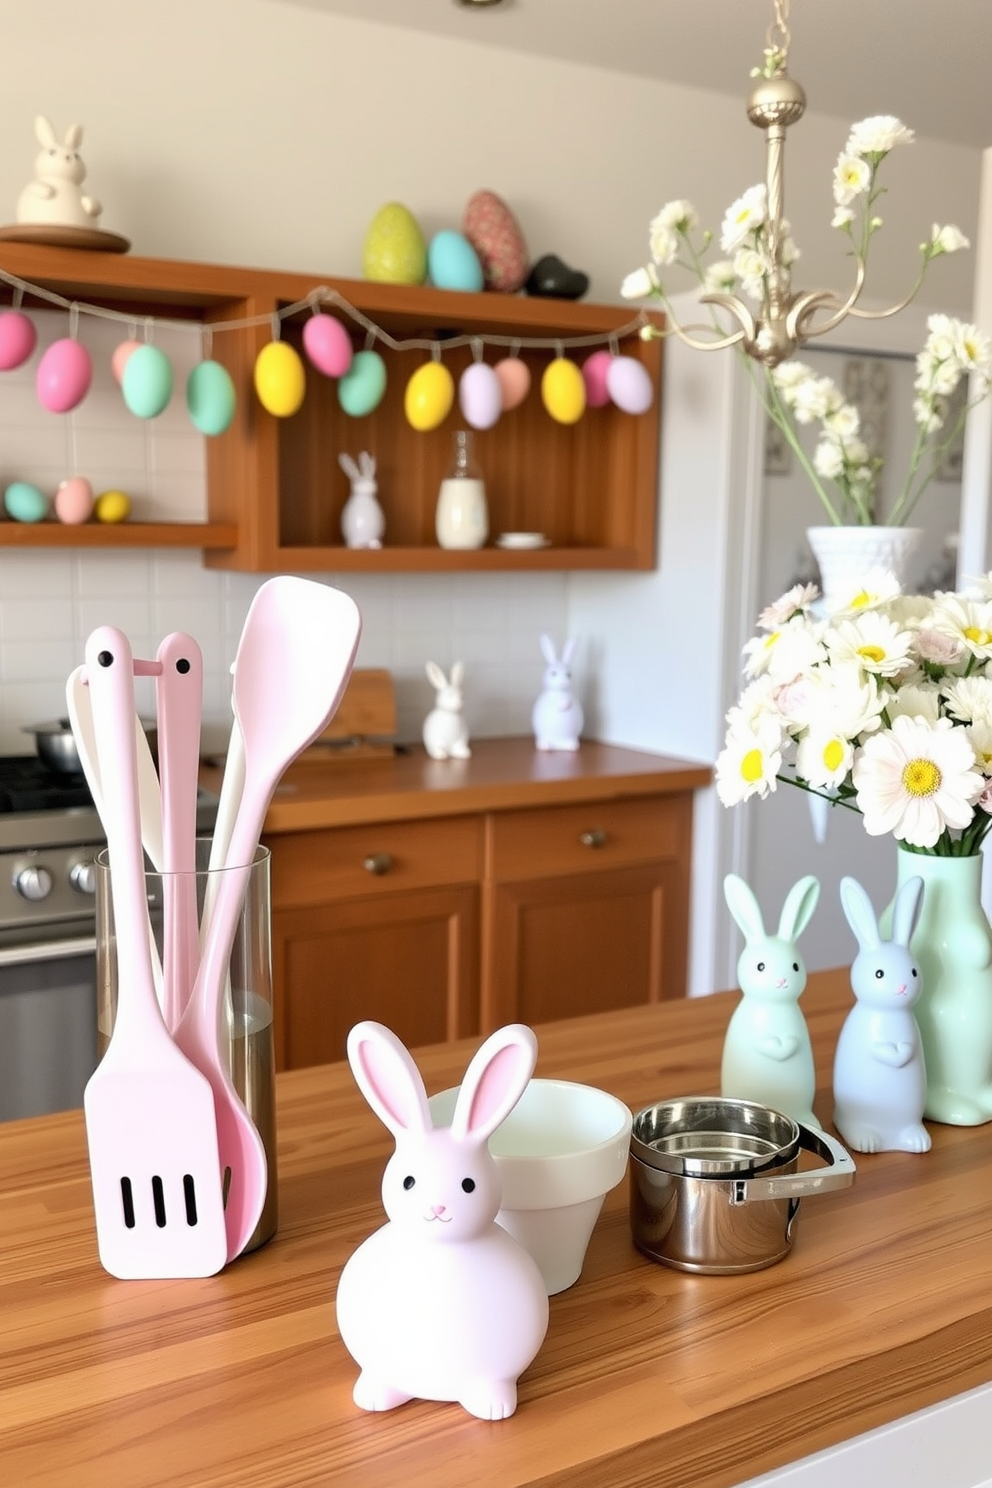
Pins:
x,y
845,554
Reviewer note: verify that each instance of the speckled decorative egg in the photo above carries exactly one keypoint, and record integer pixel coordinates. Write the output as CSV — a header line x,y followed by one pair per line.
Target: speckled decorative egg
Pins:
x,y
210,398
594,370
361,389
429,396
629,384
280,380
64,375
480,396
112,506
514,381
395,251
452,263
563,391
24,502
328,345
18,339
495,234
147,382
74,500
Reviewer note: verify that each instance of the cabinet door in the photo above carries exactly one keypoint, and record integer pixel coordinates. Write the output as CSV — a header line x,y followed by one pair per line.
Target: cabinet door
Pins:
x,y
407,960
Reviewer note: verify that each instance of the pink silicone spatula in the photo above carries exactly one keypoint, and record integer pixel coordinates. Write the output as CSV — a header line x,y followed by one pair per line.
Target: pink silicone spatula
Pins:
x,y
150,1123
294,658
179,701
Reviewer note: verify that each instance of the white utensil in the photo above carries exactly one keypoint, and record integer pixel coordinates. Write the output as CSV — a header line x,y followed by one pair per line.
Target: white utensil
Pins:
x,y
150,1123
179,700
296,652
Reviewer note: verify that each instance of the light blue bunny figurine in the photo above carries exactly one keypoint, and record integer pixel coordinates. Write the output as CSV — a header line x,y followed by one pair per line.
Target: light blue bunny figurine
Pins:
x,y
767,1055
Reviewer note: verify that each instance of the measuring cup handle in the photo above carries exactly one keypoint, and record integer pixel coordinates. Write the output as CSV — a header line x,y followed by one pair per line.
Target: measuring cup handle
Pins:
x,y
838,1173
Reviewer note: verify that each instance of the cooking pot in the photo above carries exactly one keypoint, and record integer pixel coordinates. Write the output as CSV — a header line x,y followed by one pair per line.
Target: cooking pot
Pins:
x,y
56,745
715,1185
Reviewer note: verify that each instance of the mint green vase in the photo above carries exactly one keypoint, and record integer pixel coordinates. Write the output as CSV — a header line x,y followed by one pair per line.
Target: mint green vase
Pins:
x,y
953,946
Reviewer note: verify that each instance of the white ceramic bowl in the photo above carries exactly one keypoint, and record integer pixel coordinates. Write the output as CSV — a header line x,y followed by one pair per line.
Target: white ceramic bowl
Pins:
x,y
560,1151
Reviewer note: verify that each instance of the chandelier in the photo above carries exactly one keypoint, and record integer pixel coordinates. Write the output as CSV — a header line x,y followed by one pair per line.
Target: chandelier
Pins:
x,y
782,319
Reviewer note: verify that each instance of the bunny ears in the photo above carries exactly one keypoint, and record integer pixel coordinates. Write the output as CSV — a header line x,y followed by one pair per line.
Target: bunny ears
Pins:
x,y
861,917
797,911
388,1078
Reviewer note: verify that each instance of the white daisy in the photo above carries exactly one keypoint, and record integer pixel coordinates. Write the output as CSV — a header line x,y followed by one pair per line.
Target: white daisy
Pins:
x,y
824,758
948,239
875,588
747,765
680,215
785,653
967,621
747,212
968,698
878,135
916,779
872,640
915,701
799,597
980,739
852,177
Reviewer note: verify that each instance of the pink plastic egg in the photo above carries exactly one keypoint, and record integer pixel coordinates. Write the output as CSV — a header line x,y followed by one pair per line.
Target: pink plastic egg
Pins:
x,y
594,370
327,344
122,355
629,385
514,381
17,339
74,500
480,396
64,376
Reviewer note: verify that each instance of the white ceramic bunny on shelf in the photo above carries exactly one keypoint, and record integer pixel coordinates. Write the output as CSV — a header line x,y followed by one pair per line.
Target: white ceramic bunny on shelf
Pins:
x,y
54,196
363,521
445,731
880,1082
441,1303
557,717
767,1055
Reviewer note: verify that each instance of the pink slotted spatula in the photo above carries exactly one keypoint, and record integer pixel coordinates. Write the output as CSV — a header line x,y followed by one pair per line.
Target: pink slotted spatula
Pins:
x,y
179,699
294,658
150,1123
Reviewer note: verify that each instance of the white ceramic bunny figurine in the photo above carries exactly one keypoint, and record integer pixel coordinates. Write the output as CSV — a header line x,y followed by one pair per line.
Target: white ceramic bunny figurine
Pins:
x,y
767,1055
445,731
441,1303
54,196
880,1083
363,521
557,717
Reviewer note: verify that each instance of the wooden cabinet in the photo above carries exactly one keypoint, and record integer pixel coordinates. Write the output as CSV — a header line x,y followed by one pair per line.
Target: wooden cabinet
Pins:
x,y
451,926
275,489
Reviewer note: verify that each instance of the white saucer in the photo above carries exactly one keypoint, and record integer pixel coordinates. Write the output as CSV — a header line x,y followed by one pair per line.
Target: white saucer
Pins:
x,y
522,540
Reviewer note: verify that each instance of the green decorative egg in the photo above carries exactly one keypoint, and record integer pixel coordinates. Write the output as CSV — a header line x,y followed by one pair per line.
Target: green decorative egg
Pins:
x,y
395,251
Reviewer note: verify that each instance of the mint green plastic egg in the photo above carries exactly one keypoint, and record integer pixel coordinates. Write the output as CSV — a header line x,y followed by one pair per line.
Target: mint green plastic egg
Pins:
x,y
147,381
210,398
24,502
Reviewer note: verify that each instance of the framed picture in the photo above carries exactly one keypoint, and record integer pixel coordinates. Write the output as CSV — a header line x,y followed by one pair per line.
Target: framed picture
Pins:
x,y
778,455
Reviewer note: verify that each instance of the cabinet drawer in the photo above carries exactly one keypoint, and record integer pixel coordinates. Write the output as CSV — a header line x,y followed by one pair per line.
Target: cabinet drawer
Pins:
x,y
351,862
587,838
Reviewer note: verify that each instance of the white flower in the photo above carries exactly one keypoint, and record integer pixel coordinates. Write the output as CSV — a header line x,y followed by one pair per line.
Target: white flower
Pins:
x,y
664,243
747,212
828,459
877,135
719,277
814,399
852,177
640,284
915,702
980,739
969,698
784,653
748,764
843,700
972,348
823,759
872,640
947,239
750,266
967,621
843,217
916,779
679,215
799,597
876,587
940,650
844,421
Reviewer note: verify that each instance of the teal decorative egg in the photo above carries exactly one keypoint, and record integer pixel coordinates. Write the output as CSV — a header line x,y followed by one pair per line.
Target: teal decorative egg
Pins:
x,y
25,502
453,263
147,381
361,388
210,397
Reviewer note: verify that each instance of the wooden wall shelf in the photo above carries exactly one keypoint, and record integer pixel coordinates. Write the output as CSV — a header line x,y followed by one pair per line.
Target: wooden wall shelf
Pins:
x,y
275,488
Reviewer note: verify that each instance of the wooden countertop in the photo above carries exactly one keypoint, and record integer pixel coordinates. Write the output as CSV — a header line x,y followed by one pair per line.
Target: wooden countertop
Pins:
x,y
501,774
647,1375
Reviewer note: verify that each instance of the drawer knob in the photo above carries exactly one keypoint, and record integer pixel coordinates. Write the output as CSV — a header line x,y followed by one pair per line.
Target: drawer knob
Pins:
x,y
594,838
378,863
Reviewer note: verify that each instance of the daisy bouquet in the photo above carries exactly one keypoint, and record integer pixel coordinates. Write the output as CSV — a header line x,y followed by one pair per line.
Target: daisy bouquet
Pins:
x,y
883,707
842,473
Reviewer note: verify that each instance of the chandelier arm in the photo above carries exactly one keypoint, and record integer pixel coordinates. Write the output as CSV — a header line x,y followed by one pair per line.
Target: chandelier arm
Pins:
x,y
733,338
806,305
737,310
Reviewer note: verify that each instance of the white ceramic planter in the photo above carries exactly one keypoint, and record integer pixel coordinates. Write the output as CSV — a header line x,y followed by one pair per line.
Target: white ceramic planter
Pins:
x,y
846,554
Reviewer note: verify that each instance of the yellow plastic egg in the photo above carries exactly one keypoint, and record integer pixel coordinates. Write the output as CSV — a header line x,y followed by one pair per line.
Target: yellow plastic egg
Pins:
x,y
112,506
395,251
280,380
429,396
563,391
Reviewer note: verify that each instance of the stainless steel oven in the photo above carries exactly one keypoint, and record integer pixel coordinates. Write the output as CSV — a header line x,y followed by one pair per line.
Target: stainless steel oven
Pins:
x,y
50,835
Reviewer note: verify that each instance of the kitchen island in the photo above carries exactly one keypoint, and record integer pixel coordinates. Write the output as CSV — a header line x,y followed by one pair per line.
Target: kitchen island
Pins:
x,y
648,1376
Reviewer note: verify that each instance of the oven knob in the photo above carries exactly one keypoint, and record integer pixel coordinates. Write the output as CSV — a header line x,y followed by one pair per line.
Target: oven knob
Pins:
x,y
33,882
82,876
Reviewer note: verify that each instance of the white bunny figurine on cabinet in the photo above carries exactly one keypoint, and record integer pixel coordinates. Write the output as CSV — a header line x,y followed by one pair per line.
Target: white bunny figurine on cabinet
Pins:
x,y
767,1055
445,730
557,718
441,1303
880,1083
363,521
54,196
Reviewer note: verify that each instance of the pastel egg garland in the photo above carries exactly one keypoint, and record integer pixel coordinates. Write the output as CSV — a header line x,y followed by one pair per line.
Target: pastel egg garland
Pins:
x,y
429,396
18,339
480,396
210,398
328,345
363,386
563,391
64,375
146,385
280,380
